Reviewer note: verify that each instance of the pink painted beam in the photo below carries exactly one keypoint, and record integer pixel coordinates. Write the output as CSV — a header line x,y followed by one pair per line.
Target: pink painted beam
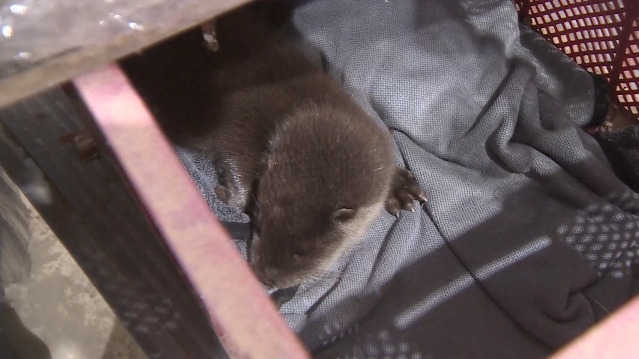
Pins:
x,y
245,319
617,337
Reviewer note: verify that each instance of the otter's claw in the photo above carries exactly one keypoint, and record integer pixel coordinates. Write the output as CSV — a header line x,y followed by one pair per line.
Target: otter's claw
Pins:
x,y
403,192
222,193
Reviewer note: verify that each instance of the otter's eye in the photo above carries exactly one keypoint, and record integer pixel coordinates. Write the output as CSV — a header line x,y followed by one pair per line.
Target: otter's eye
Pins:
x,y
298,254
344,214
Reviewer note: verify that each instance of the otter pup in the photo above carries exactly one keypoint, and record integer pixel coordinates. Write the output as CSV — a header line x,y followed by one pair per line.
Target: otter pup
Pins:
x,y
293,150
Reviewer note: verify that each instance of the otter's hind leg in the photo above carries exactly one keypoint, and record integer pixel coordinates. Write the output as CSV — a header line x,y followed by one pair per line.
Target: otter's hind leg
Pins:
x,y
404,190
235,183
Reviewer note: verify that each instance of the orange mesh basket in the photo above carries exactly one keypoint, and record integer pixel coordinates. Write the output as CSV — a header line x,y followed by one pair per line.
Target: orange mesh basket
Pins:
x,y
601,36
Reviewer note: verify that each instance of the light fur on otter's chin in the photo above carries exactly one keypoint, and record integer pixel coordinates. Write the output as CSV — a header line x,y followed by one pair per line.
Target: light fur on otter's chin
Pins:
x,y
352,232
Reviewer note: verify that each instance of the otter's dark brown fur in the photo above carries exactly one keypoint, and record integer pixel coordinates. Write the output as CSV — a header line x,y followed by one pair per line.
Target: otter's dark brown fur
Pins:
x,y
292,148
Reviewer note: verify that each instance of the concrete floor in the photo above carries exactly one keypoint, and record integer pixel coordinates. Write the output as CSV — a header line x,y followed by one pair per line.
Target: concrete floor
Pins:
x,y
48,307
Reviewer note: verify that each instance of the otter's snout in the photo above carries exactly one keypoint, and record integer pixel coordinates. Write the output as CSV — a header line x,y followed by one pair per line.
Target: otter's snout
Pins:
x,y
265,275
263,266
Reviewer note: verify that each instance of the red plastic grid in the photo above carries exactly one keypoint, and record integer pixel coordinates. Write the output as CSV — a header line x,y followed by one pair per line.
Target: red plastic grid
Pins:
x,y
600,35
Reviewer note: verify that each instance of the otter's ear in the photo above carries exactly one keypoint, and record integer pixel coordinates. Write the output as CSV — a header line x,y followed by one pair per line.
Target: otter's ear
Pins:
x,y
344,214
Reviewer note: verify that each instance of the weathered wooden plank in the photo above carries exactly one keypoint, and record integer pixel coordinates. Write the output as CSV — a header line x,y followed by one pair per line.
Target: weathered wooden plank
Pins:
x,y
63,221
91,210
15,264
246,319
170,17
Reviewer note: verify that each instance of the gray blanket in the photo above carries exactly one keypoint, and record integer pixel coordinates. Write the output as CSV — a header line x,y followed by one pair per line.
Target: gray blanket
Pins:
x,y
528,238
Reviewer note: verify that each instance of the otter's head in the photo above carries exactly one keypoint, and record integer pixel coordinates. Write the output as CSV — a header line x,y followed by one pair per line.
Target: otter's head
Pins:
x,y
324,179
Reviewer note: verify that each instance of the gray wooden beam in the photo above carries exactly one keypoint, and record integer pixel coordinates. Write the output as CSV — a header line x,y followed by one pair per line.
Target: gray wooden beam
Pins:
x,y
89,207
169,18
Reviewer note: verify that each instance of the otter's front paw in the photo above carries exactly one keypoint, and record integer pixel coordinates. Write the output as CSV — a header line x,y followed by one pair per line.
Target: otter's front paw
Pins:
x,y
404,190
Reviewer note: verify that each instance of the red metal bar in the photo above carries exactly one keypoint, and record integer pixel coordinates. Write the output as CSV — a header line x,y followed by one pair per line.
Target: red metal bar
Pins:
x,y
609,24
246,321
622,46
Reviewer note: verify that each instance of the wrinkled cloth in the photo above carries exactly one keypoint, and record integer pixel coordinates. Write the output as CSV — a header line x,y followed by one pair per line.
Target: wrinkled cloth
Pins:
x,y
528,238
621,146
